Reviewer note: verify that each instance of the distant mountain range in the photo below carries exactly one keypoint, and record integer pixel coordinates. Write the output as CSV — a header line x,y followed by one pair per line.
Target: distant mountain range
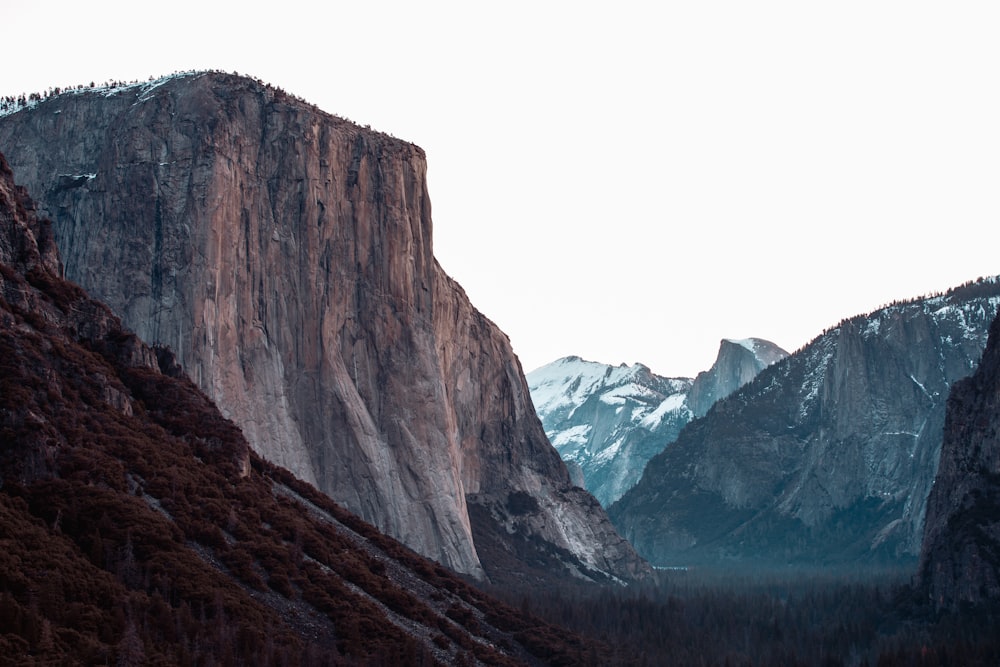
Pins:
x,y
826,457
611,420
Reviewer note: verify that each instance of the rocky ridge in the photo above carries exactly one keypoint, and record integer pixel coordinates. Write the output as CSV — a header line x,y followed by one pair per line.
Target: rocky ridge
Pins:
x,y
825,457
286,256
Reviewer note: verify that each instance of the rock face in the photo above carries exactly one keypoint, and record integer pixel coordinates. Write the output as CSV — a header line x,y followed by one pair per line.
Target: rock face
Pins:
x,y
960,558
738,362
137,526
285,255
610,421
827,456
31,288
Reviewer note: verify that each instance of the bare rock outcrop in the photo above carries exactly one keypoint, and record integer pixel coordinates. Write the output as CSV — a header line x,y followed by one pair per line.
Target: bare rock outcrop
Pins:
x,y
286,256
26,241
738,362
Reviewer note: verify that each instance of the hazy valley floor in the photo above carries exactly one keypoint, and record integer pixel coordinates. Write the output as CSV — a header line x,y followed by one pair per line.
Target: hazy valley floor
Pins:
x,y
711,617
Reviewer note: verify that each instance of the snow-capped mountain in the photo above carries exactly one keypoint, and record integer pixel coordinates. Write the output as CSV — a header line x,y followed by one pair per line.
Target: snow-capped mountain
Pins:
x,y
607,419
610,420
825,457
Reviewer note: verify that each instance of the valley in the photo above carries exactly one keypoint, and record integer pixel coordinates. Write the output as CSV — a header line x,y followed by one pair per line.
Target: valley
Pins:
x,y
247,418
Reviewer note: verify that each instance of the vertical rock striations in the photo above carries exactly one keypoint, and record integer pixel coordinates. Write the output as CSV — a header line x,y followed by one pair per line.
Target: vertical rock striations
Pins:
x,y
960,559
286,256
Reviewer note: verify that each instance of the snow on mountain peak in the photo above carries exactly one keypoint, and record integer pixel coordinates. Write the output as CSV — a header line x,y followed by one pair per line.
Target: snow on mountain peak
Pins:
x,y
569,381
608,419
764,350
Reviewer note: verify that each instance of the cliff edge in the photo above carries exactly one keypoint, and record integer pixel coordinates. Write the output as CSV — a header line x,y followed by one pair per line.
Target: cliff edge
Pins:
x,y
286,256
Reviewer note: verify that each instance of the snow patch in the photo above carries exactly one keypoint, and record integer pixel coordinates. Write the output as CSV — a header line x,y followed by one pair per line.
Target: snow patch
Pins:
x,y
746,343
922,387
142,90
571,436
813,382
672,404
608,452
567,382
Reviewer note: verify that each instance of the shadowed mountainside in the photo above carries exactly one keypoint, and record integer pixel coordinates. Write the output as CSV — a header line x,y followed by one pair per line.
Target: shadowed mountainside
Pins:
x,y
960,559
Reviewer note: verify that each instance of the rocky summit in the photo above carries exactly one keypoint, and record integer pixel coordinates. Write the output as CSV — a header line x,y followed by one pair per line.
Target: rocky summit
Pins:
x,y
738,362
285,255
826,457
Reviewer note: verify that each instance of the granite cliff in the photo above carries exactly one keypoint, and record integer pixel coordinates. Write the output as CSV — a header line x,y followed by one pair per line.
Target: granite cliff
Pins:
x,y
285,256
960,558
738,362
827,456
138,527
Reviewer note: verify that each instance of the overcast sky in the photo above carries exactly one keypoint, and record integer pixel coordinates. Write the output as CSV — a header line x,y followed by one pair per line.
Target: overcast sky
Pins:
x,y
628,181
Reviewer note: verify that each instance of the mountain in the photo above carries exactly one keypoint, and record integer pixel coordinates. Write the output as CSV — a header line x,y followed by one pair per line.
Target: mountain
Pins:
x,y
610,421
138,527
960,557
738,362
607,420
825,457
286,256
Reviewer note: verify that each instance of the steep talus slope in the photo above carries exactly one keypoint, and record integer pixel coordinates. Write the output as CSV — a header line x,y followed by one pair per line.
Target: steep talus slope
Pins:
x,y
960,558
286,256
612,420
137,526
827,456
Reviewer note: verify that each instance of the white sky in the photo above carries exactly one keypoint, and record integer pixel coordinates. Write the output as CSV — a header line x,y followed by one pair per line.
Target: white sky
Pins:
x,y
628,181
